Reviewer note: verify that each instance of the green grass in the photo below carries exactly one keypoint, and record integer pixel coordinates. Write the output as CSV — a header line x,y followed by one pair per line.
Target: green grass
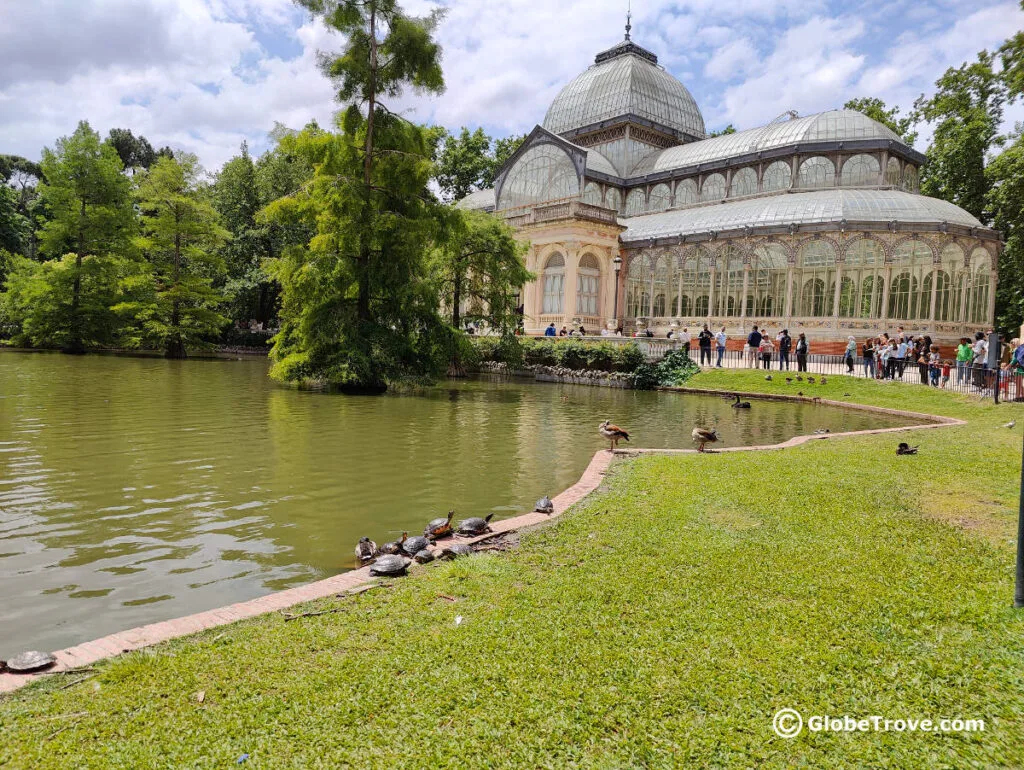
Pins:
x,y
659,624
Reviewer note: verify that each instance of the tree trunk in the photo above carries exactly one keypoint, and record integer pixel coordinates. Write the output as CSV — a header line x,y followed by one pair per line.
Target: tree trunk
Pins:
x,y
75,345
455,366
175,345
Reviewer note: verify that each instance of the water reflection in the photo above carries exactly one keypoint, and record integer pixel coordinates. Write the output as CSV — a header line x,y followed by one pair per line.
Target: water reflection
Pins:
x,y
134,490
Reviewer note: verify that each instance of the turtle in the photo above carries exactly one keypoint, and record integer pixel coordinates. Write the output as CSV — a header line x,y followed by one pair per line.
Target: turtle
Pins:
x,y
395,547
544,505
423,556
475,526
366,549
31,661
413,545
455,550
390,566
439,527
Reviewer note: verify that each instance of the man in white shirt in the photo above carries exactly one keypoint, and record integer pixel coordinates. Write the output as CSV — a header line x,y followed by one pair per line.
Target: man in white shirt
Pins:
x,y
685,338
980,348
720,345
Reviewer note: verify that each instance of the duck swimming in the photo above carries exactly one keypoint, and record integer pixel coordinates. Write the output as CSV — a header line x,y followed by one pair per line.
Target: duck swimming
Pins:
x,y
740,404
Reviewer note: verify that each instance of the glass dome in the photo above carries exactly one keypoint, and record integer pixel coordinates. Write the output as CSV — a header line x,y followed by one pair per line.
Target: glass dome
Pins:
x,y
625,80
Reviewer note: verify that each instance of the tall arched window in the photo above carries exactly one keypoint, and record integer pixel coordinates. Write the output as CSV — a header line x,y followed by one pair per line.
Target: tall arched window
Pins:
x,y
729,284
660,287
777,176
861,170
910,183
911,263
817,273
613,199
542,173
981,271
660,198
863,264
686,192
635,203
696,282
744,182
638,287
592,194
554,284
847,297
766,290
892,172
588,280
713,188
816,172
947,301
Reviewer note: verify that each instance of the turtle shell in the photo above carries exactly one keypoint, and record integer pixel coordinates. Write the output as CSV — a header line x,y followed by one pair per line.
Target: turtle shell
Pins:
x,y
389,565
30,661
544,505
456,550
474,526
413,545
423,556
438,528
394,548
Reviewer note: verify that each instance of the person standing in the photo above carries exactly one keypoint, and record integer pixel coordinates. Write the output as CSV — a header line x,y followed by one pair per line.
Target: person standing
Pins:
x,y
766,348
550,331
934,366
851,354
704,341
785,345
868,351
720,340
753,344
802,349
685,338
901,356
980,350
964,356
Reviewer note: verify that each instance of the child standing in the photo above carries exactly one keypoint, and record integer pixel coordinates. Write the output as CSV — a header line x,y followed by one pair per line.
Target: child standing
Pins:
x,y
945,372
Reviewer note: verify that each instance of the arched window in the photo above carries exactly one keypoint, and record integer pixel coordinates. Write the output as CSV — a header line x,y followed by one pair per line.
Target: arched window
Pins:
x,y
817,273
861,170
729,284
638,286
947,300
816,172
554,284
766,290
713,188
744,182
911,263
612,199
588,278
777,177
695,283
635,203
542,173
847,297
660,287
863,264
892,172
592,194
981,270
686,192
660,198
910,183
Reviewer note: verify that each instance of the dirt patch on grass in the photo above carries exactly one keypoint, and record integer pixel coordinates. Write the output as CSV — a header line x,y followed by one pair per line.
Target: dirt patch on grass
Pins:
x,y
988,519
737,521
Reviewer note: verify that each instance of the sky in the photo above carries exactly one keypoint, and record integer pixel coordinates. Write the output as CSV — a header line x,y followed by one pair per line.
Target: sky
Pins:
x,y
204,75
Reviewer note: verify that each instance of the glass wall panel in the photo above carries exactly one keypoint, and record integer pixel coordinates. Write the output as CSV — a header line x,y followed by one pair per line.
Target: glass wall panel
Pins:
x,y
638,287
817,272
766,292
588,279
911,263
592,194
816,172
910,179
729,284
947,303
554,284
686,192
713,188
696,282
861,170
777,176
744,182
892,172
863,265
613,199
660,198
635,203
543,173
660,287
981,270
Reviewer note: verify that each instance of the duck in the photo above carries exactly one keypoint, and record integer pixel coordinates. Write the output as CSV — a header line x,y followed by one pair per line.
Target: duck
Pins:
x,y
822,431
613,433
789,380
740,404
1010,424
704,436
905,449
366,549
799,378
810,380
823,380
768,377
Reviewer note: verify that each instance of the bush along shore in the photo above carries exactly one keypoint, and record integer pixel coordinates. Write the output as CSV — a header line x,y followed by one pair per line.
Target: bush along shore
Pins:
x,y
661,622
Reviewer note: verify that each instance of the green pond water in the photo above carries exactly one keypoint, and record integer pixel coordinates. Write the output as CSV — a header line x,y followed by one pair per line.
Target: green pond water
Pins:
x,y
134,490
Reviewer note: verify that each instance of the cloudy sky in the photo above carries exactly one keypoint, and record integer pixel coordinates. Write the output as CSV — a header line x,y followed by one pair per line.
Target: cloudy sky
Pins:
x,y
203,75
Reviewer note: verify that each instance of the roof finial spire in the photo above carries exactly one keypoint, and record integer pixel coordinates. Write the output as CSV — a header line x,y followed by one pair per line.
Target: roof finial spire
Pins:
x,y
629,16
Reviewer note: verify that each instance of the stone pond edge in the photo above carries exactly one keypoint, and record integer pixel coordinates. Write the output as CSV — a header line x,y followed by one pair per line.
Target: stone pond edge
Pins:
x,y
87,653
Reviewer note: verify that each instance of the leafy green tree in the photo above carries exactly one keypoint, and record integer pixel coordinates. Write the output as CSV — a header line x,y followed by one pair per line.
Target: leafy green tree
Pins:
x,y
1005,199
1011,54
15,228
174,305
503,150
876,109
463,163
729,129
357,310
23,176
135,152
480,267
967,110
90,215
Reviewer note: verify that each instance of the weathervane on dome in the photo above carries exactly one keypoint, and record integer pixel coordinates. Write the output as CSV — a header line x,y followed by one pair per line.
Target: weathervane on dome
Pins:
x,y
629,15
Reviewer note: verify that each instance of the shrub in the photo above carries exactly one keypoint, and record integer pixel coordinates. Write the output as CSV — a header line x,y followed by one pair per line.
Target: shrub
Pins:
x,y
629,358
676,368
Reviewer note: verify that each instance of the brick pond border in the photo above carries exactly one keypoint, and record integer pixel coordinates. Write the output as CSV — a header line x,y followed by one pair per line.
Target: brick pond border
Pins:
x,y
87,653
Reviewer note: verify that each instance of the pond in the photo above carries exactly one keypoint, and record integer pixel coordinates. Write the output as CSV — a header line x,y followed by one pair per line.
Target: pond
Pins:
x,y
134,490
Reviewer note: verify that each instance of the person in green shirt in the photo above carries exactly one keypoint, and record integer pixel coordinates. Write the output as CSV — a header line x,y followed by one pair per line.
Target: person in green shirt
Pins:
x,y
964,355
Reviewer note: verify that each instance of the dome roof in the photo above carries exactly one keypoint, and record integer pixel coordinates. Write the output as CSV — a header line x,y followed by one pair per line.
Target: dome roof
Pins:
x,y
831,126
625,80
818,207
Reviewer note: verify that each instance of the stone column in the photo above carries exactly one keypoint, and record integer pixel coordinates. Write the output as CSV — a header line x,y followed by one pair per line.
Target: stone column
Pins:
x,y
837,294
572,258
679,296
743,299
711,293
935,293
788,310
885,295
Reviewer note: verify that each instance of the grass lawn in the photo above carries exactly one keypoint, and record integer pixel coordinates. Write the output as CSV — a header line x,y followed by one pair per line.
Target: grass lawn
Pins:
x,y
661,623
